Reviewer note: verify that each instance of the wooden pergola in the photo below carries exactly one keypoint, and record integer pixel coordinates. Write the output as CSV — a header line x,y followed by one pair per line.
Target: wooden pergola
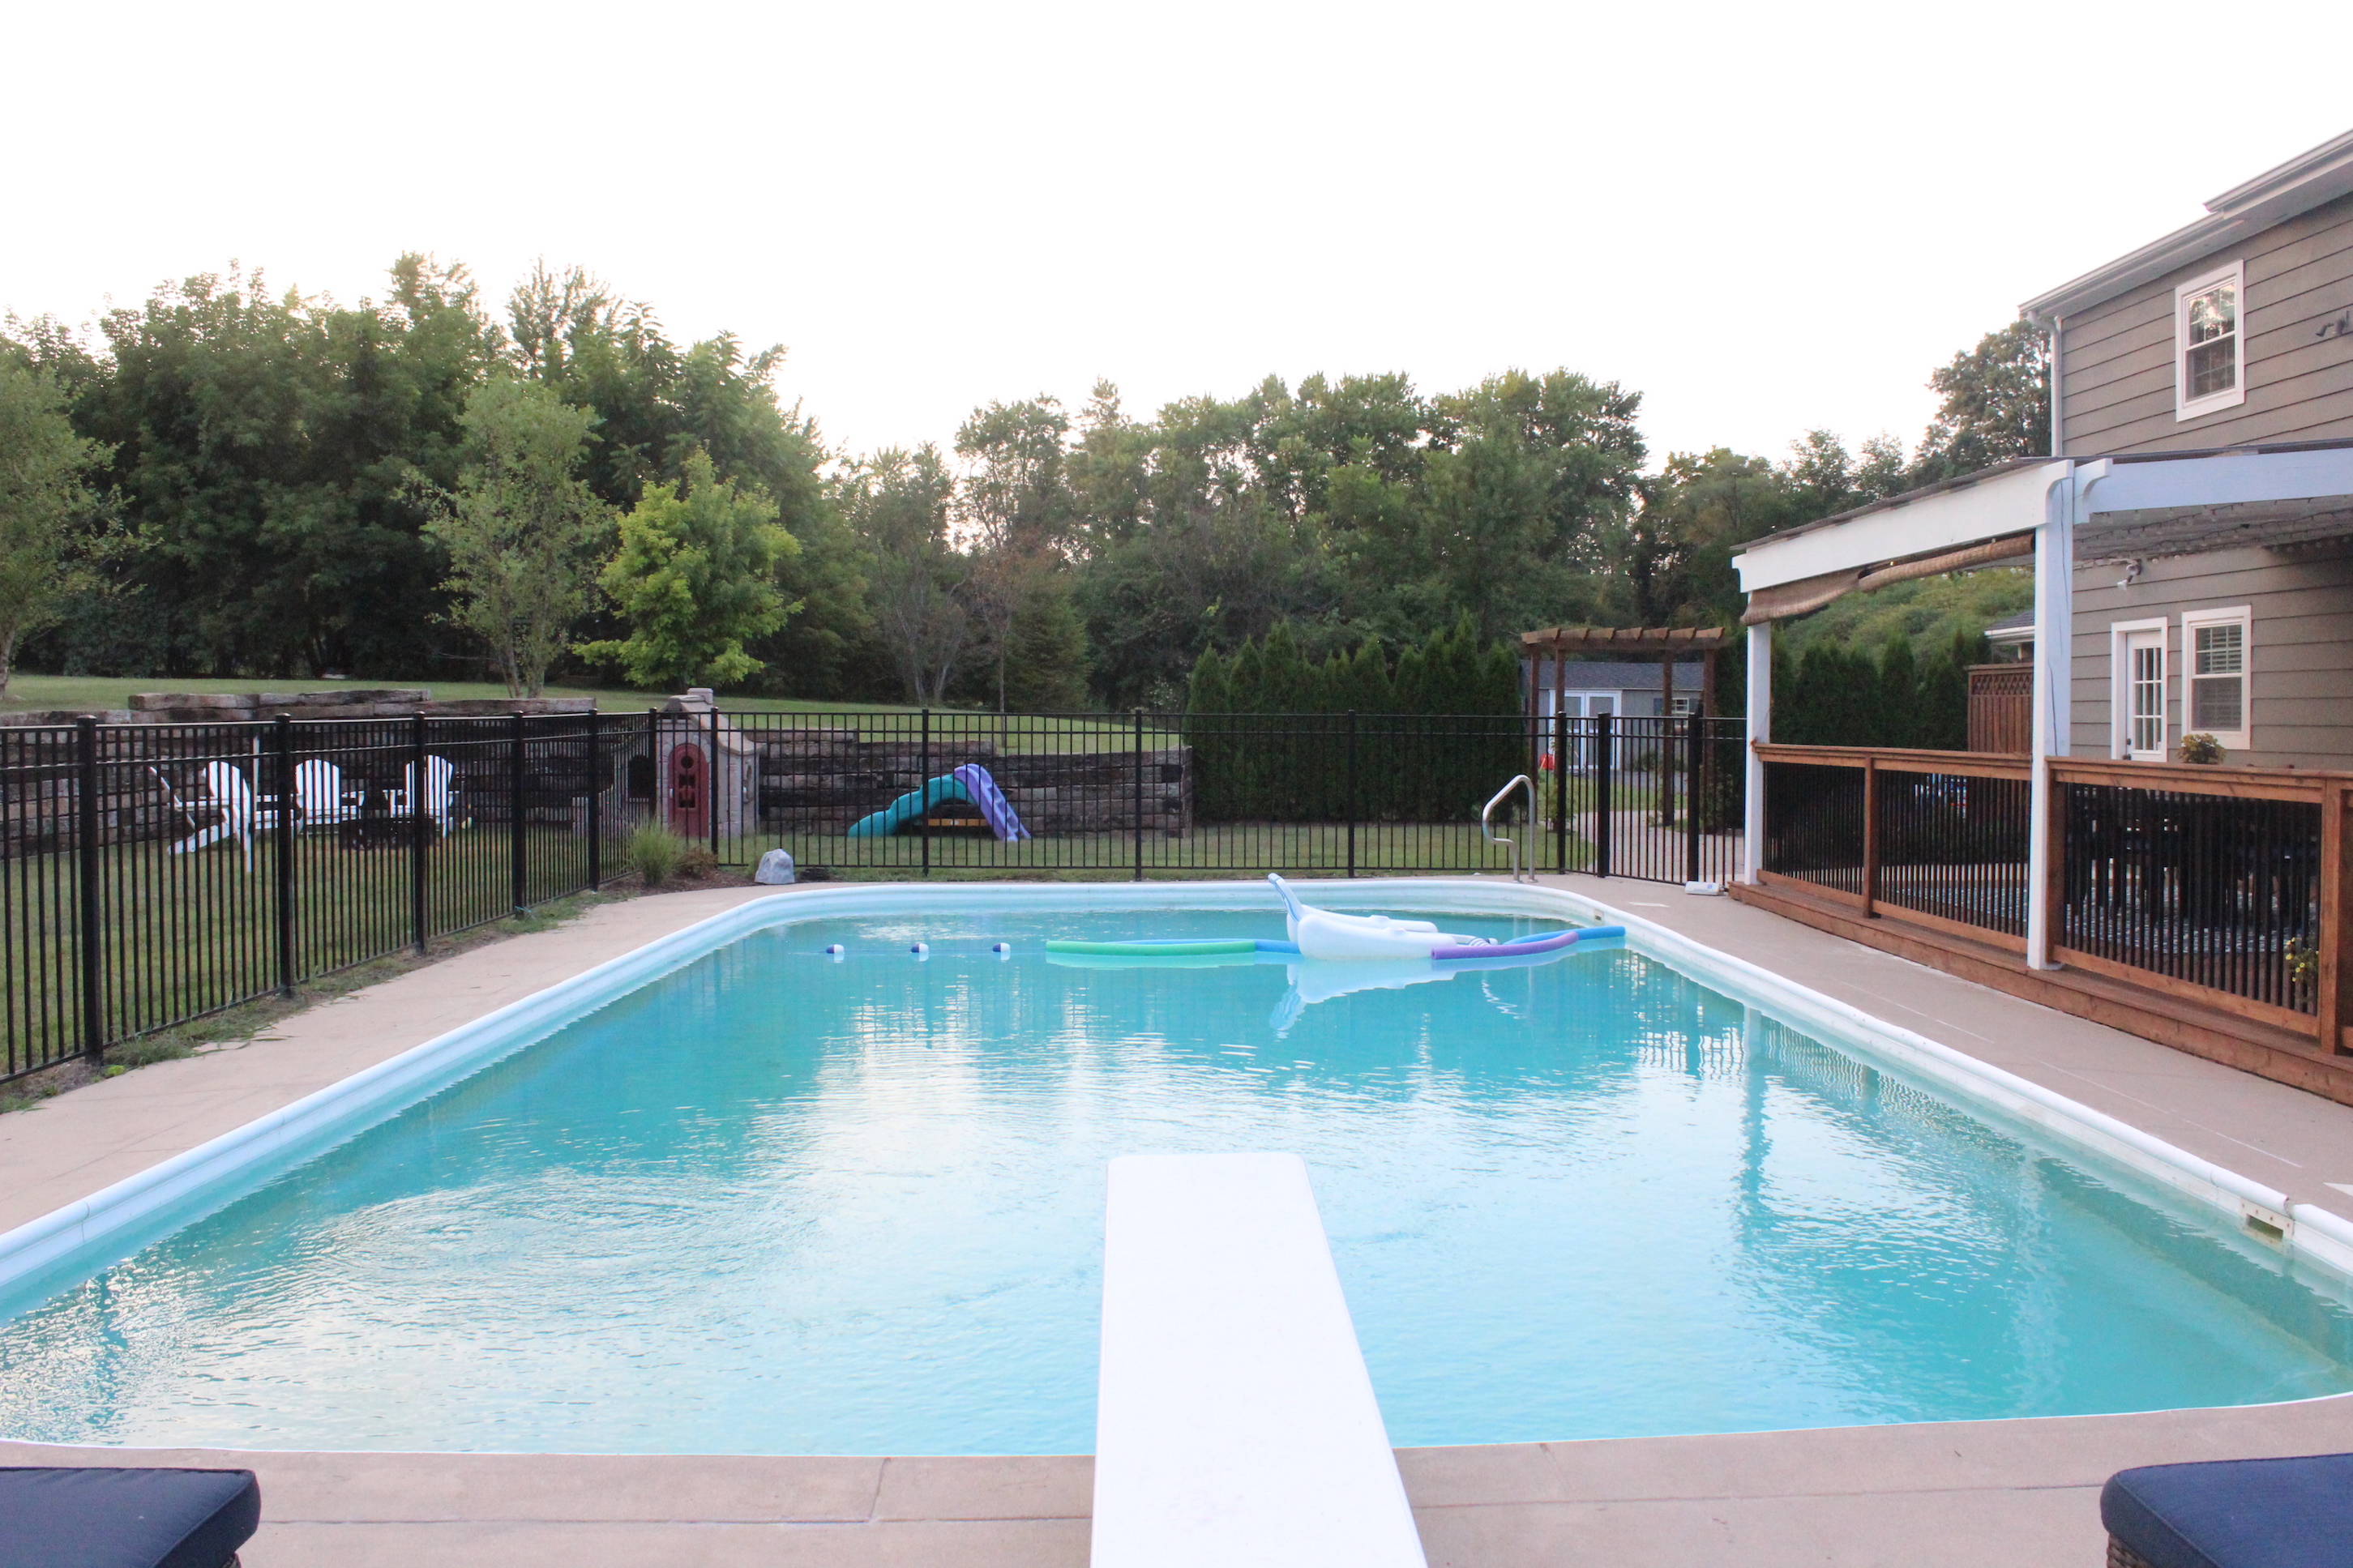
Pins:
x,y
1668,642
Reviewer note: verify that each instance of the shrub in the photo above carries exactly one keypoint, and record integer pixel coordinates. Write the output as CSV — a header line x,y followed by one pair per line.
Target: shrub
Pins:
x,y
654,853
147,1051
697,862
2201,748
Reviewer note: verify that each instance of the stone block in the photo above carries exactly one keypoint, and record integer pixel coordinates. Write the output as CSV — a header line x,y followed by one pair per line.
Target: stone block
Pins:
x,y
196,701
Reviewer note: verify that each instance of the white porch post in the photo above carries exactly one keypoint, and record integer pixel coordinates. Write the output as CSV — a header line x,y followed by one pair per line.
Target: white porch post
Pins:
x,y
1760,728
2054,587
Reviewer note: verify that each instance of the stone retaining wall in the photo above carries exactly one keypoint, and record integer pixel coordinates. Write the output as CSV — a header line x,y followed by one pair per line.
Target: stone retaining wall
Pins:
x,y
821,781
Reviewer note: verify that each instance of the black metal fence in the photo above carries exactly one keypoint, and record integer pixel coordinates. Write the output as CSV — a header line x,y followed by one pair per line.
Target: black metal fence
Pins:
x,y
1814,824
1953,844
1655,798
2218,891
1147,794
154,873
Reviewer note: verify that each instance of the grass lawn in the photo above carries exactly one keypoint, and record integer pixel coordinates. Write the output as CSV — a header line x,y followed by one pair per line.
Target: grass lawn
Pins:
x,y
32,693
879,721
188,934
1226,850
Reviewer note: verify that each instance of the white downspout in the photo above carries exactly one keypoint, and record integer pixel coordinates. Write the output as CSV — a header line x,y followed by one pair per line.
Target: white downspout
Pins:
x,y
1760,728
2058,389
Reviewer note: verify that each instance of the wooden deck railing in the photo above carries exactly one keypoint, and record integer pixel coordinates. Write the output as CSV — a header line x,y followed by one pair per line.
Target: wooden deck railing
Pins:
x,y
1938,838
2228,887
2224,886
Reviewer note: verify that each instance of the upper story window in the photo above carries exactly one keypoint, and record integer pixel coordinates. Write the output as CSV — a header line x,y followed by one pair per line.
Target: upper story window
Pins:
x,y
2208,357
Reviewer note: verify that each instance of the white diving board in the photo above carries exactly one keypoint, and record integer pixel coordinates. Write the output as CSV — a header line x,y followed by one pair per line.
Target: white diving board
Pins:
x,y
1235,1425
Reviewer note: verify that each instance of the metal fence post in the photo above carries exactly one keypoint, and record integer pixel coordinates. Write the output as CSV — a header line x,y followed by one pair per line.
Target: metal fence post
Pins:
x,y
419,824
1139,796
659,774
87,893
710,784
924,791
1693,794
1352,791
1604,759
285,838
1560,786
515,811
596,794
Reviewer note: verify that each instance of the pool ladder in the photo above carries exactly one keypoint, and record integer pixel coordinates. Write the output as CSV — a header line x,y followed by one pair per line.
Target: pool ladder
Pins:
x,y
1487,826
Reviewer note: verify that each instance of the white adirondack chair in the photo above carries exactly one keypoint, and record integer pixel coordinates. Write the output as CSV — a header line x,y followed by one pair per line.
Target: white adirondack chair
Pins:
x,y
437,803
319,793
233,798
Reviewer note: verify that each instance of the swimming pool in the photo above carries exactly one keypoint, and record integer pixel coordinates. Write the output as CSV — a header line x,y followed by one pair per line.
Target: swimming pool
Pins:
x,y
776,1202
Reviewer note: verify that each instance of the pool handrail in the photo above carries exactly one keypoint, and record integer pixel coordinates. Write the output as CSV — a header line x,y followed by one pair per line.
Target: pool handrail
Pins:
x,y
1487,830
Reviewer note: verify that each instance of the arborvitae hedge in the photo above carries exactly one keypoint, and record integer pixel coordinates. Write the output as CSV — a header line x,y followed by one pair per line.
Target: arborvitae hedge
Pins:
x,y
1435,734
1835,696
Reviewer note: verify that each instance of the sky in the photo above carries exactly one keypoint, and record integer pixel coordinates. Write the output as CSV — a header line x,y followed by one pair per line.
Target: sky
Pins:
x,y
1763,219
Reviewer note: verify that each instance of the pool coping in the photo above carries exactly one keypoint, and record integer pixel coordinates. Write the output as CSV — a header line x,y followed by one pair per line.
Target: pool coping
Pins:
x,y
380,1090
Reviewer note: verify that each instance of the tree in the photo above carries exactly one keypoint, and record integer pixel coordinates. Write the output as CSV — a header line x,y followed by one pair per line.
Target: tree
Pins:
x,y
695,578
44,499
521,528
896,503
266,454
1671,561
1997,405
1899,694
1015,511
1046,643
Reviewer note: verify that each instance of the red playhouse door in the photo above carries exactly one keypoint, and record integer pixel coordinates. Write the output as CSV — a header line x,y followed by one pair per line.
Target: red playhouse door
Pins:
x,y
689,791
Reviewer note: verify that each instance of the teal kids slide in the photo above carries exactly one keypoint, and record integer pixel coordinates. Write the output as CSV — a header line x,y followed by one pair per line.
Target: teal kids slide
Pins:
x,y
969,783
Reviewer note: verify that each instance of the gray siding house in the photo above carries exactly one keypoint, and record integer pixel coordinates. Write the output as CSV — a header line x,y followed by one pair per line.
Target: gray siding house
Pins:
x,y
1590,687
2234,334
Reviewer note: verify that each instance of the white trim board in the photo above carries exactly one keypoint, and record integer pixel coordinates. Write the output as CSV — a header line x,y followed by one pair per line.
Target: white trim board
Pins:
x,y
225,1168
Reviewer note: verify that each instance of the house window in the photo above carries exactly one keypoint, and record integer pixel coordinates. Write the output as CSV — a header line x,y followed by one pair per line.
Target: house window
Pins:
x,y
2209,361
2138,653
2215,649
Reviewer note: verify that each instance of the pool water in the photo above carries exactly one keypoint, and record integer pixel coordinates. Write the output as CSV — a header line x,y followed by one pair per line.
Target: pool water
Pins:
x,y
778,1203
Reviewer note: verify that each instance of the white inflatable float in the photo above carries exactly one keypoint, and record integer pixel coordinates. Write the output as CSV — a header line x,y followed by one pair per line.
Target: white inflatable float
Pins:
x,y
1321,933
1324,935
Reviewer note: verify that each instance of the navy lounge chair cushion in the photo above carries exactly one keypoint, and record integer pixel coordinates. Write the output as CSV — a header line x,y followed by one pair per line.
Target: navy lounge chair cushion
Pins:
x,y
100,1518
2236,1513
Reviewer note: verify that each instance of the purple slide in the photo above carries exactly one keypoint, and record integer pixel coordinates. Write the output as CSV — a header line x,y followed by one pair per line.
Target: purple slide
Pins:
x,y
1003,820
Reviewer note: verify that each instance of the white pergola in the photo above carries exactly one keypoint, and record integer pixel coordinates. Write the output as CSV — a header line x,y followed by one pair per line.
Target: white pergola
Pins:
x,y
2056,511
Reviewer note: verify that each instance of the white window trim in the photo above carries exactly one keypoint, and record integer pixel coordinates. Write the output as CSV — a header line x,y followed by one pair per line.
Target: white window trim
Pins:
x,y
2184,406
2120,685
2242,738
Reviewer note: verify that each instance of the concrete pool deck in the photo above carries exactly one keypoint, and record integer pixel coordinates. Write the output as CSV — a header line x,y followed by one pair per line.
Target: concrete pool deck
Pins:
x,y
2011,1493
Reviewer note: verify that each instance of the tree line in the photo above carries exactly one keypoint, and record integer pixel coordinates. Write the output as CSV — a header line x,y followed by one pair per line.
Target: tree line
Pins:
x,y
1836,696
223,481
